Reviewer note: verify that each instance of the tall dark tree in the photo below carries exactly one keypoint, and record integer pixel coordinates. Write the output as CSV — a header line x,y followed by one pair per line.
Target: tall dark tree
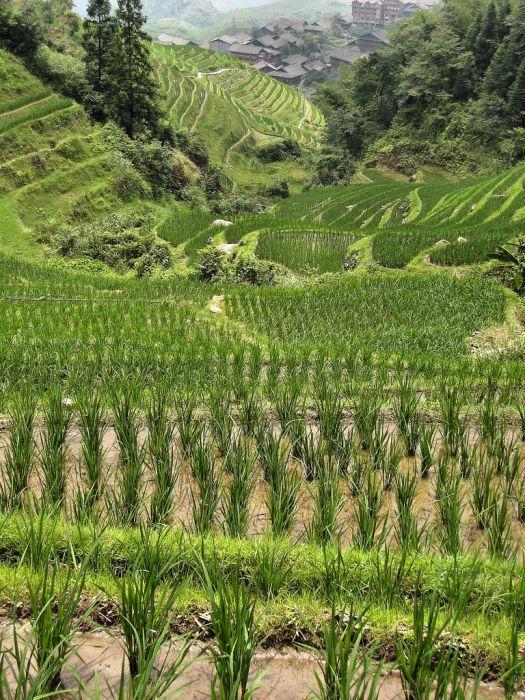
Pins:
x,y
20,30
96,41
503,68
133,99
517,96
486,40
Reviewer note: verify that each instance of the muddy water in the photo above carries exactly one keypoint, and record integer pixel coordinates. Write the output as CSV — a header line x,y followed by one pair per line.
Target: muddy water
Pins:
x,y
287,674
424,505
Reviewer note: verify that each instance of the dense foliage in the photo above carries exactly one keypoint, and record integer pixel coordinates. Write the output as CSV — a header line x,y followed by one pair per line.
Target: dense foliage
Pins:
x,y
449,89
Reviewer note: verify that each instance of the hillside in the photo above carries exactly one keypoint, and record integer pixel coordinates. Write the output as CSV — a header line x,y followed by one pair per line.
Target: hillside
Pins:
x,y
201,26
236,108
301,430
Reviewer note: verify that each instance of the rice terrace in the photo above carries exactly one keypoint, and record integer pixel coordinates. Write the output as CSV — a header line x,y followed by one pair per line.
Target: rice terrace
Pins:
x,y
262,380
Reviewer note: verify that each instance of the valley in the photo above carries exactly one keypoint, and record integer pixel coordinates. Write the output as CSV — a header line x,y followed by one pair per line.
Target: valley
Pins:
x,y
262,431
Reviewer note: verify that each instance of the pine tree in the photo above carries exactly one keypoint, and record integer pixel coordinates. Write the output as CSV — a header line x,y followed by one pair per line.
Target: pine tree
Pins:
x,y
486,42
503,68
96,41
517,96
133,89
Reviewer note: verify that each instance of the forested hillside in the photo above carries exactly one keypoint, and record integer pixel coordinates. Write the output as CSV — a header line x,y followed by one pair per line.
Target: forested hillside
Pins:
x,y
449,89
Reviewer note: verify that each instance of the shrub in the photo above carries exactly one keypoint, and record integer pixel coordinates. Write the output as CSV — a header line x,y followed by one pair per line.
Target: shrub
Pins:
x,y
278,151
252,270
211,264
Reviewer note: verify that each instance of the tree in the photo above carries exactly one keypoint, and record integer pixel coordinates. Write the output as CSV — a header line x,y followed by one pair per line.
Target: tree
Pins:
x,y
517,96
20,32
503,68
486,41
96,41
133,92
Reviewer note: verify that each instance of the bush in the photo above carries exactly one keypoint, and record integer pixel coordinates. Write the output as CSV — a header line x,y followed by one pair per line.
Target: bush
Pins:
x,y
192,145
278,151
239,203
122,241
211,264
253,270
279,190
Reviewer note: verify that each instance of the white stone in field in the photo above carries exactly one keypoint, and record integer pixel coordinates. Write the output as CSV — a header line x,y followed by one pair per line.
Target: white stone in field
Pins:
x,y
222,222
461,239
67,402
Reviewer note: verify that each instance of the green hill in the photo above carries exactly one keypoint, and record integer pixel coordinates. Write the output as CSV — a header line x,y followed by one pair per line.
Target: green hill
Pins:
x,y
55,166
236,108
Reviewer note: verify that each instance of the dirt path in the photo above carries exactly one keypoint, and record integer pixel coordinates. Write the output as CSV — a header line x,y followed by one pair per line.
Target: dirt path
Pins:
x,y
236,145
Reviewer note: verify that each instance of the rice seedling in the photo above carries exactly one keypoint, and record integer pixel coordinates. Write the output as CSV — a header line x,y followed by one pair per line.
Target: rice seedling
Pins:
x,y
126,503
512,471
379,441
240,463
235,637
366,415
190,429
330,410
21,677
54,597
272,451
221,419
344,451
161,457
515,661
390,463
450,400
250,410
489,416
92,430
146,601
370,526
427,446
418,659
287,402
274,562
206,500
37,530
346,671
450,507
283,483
297,432
408,533
328,503
19,451
500,450
388,581
499,526
481,499
57,419
311,454
407,415
360,468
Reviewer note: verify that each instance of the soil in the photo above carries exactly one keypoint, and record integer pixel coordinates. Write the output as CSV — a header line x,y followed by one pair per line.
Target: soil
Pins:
x,y
286,674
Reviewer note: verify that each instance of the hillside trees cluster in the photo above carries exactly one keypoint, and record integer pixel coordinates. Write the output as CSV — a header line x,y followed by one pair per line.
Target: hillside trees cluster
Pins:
x,y
449,89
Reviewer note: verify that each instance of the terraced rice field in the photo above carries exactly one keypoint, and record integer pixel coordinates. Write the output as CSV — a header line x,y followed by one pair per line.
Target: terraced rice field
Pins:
x,y
231,103
53,162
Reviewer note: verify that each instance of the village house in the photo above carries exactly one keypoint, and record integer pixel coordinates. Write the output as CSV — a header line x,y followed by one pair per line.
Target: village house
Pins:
x,y
169,40
251,53
358,48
